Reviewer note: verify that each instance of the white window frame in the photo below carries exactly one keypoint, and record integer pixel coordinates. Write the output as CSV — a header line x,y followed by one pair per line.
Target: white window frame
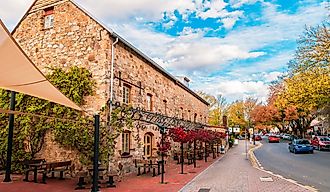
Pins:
x,y
149,102
126,94
49,21
125,139
147,145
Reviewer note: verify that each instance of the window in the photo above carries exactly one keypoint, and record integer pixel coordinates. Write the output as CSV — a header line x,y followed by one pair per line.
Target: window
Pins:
x,y
149,102
125,145
195,117
182,114
148,145
165,107
49,18
189,119
126,94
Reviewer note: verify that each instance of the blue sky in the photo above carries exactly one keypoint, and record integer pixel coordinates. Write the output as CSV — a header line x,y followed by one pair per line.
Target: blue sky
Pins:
x,y
230,47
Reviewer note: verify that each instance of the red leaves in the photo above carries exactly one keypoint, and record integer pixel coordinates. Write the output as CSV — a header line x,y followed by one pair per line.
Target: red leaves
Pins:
x,y
178,134
166,145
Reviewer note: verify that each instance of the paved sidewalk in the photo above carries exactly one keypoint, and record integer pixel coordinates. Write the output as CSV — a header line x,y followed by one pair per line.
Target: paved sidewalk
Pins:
x,y
233,173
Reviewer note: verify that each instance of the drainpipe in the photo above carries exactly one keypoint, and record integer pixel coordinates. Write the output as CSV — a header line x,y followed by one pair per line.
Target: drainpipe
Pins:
x,y
111,78
111,85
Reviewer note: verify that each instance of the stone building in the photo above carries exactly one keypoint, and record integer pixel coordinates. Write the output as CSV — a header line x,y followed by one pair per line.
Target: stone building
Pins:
x,y
61,33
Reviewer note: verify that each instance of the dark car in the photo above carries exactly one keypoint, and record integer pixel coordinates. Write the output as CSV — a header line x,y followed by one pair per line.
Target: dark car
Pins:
x,y
321,142
301,146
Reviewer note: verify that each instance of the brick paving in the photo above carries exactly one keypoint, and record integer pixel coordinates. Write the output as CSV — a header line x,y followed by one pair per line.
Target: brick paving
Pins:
x,y
233,173
143,183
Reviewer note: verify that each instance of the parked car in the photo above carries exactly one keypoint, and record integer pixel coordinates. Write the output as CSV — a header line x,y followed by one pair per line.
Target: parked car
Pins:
x,y
241,137
321,142
300,145
273,139
286,136
258,138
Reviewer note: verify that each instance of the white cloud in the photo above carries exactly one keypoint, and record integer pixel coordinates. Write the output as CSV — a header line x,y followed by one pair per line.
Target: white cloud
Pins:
x,y
272,76
123,10
234,89
187,52
240,3
212,9
11,11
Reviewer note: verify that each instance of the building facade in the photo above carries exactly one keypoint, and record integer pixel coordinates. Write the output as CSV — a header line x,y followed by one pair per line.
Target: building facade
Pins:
x,y
59,33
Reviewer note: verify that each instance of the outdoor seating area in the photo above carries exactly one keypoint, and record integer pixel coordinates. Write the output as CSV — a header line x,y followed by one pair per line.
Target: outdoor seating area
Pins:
x,y
147,166
105,178
45,169
144,182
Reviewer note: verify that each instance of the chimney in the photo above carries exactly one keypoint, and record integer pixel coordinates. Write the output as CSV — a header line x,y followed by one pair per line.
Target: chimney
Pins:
x,y
184,80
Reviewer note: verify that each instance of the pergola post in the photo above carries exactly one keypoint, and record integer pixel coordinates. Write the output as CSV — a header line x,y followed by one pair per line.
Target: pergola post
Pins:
x,y
205,149
182,160
194,153
162,132
95,186
10,137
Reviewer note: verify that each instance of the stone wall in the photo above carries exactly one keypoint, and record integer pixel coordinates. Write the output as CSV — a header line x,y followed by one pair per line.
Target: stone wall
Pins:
x,y
52,151
78,40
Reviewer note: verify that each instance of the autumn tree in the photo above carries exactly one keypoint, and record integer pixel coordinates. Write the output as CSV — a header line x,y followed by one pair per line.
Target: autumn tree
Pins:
x,y
306,88
239,112
217,108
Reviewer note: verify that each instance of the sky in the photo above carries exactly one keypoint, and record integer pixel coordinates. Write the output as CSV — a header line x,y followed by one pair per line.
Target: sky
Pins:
x,y
229,47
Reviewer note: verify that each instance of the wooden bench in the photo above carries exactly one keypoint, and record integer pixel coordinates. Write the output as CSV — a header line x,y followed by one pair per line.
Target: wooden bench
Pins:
x,y
28,168
53,167
109,182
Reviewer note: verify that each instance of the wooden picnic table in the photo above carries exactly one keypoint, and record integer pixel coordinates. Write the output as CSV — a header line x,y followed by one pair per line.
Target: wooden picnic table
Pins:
x,y
44,166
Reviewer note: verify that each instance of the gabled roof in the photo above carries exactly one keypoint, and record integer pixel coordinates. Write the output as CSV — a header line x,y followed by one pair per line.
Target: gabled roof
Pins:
x,y
125,42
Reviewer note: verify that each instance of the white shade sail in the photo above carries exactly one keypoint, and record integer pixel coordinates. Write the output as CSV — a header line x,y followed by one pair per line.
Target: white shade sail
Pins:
x,y
18,73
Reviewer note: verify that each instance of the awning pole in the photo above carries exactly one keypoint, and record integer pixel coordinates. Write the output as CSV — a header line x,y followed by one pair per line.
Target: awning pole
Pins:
x,y
10,138
95,186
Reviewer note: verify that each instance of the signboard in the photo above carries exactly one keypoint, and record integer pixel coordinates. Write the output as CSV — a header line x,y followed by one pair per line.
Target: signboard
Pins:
x,y
236,129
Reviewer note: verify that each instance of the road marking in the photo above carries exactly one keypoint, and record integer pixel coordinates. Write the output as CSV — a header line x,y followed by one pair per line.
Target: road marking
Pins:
x,y
266,179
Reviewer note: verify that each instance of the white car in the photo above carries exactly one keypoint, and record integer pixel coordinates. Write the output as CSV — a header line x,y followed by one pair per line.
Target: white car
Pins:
x,y
286,136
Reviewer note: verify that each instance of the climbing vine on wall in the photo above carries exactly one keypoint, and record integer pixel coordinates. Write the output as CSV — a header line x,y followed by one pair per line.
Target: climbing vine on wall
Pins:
x,y
29,131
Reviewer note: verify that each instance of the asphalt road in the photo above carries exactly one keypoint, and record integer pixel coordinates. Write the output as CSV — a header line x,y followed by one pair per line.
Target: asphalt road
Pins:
x,y
307,169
